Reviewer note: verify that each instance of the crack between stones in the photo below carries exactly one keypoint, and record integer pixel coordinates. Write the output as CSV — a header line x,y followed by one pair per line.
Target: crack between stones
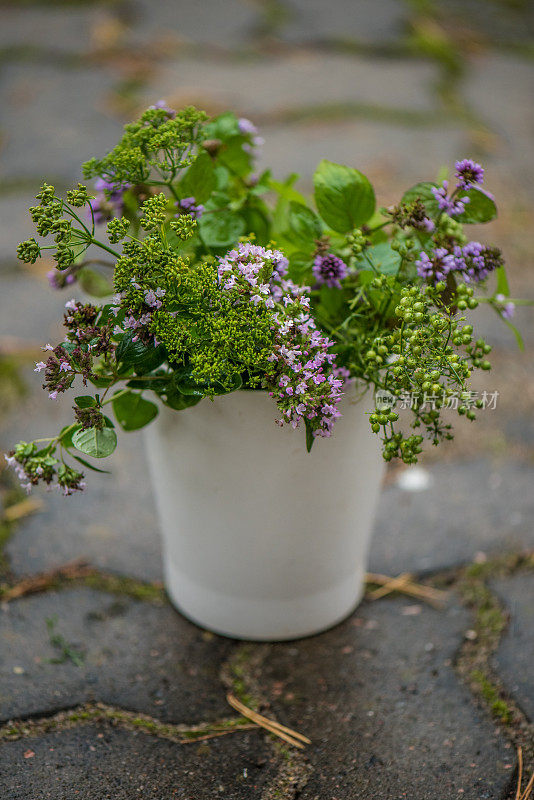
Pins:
x,y
87,713
474,662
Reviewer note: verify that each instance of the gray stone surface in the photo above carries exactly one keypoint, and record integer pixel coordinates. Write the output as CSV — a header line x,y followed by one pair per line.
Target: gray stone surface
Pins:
x,y
502,23
224,24
100,763
298,80
16,225
61,30
136,655
53,120
469,507
499,89
387,717
400,152
368,21
515,655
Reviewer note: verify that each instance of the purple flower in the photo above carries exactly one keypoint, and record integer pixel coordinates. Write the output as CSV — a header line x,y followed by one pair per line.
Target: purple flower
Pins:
x,y
480,260
330,270
451,206
109,201
302,381
161,104
507,309
188,206
437,267
246,127
468,173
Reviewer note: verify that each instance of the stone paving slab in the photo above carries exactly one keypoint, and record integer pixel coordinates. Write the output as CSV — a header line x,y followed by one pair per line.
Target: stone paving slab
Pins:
x,y
387,716
502,23
223,24
16,226
61,30
54,119
470,506
369,21
499,89
515,655
299,80
99,763
137,656
400,152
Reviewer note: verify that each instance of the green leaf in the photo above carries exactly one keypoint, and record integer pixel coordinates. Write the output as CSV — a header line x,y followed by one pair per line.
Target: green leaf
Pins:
x,y
186,384
286,191
85,401
94,283
132,411
199,181
221,228
481,207
67,433
300,266
502,281
518,337
257,222
170,395
90,466
310,438
344,197
233,156
384,258
95,443
332,300
423,192
223,127
304,225
144,358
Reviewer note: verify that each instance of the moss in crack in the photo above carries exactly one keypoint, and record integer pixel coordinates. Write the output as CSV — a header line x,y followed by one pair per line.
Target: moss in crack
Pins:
x,y
239,674
126,586
474,661
492,697
127,720
293,774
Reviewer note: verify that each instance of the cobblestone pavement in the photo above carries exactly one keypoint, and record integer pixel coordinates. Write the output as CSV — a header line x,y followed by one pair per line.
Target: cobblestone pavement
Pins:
x,y
105,691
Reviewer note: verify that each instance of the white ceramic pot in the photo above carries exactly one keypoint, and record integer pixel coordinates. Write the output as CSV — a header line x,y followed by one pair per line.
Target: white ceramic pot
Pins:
x,y
263,540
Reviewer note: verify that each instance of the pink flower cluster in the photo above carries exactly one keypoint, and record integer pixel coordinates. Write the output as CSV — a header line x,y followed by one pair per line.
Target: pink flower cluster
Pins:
x,y
303,381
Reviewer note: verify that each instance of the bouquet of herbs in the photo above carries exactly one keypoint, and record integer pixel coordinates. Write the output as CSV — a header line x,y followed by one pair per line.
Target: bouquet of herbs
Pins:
x,y
213,279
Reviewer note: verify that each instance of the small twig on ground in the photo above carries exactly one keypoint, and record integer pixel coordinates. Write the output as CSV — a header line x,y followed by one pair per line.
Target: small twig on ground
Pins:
x,y
292,737
404,583
42,581
527,793
22,509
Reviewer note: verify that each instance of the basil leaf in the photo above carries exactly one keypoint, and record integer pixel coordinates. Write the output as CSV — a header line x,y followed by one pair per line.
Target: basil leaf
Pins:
x,y
95,443
305,226
344,197
384,258
221,228
132,411
199,181
85,401
480,208
144,358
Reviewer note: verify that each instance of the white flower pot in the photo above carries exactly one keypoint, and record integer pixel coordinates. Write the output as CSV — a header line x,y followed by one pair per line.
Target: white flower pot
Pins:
x,y
263,540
